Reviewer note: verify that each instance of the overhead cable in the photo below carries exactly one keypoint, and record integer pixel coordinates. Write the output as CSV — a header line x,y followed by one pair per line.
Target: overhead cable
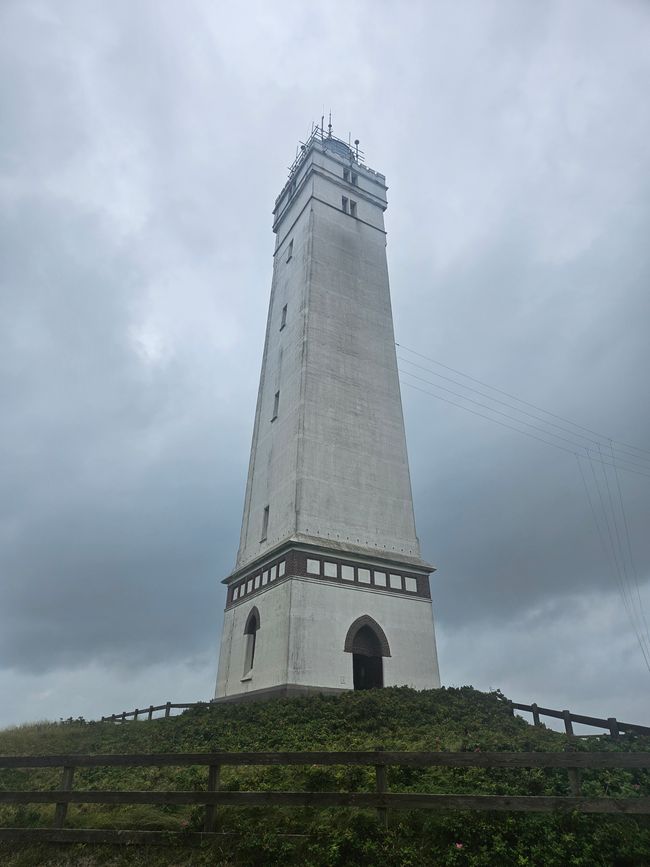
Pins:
x,y
622,462
601,437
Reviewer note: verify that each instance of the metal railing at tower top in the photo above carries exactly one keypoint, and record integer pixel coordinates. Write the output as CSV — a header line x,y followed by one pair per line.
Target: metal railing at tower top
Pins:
x,y
319,135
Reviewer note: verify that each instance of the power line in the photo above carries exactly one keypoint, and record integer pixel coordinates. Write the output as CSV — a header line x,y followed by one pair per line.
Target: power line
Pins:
x,y
609,555
599,529
519,421
627,601
544,421
600,436
635,574
616,551
511,427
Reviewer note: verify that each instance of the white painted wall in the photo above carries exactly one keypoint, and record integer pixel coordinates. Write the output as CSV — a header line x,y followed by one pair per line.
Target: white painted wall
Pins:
x,y
272,643
333,465
321,615
354,483
303,626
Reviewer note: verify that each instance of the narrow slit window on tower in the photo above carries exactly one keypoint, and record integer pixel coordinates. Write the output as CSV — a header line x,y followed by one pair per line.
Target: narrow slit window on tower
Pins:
x,y
265,524
290,250
346,174
344,204
283,318
353,208
355,179
276,405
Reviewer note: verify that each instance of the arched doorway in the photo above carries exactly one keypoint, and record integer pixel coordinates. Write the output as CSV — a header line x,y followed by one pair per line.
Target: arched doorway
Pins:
x,y
367,664
367,643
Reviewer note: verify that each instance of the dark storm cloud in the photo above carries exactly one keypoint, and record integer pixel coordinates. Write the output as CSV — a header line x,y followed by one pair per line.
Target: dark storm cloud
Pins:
x,y
113,514
520,502
119,510
141,149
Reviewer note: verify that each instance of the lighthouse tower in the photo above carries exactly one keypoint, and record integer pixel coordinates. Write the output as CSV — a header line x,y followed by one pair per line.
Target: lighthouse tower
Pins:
x,y
329,592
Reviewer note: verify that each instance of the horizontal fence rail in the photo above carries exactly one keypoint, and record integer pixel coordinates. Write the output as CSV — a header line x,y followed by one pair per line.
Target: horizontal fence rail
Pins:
x,y
372,757
380,800
403,801
148,712
611,724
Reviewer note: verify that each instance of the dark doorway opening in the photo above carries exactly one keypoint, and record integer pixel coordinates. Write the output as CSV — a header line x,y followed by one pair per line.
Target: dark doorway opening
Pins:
x,y
367,662
367,671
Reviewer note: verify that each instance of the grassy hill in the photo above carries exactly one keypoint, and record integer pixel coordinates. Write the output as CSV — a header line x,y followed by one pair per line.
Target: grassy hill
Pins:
x,y
444,719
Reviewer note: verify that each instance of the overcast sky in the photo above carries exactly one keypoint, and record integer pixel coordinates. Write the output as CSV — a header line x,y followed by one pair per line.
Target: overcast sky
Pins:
x,y
142,145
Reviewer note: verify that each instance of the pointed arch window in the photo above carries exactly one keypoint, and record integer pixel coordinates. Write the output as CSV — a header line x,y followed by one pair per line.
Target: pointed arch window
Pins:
x,y
250,633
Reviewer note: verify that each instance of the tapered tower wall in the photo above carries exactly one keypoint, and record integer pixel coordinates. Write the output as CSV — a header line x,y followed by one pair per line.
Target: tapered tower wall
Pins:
x,y
328,535
332,464
354,483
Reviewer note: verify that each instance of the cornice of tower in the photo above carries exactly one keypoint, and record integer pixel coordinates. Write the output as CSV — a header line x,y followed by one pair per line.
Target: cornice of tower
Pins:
x,y
319,564
317,545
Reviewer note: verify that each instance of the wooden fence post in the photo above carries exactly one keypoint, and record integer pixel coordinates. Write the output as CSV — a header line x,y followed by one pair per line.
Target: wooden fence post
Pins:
x,y
214,773
61,809
613,726
135,715
568,725
168,709
123,716
574,781
535,710
150,712
381,787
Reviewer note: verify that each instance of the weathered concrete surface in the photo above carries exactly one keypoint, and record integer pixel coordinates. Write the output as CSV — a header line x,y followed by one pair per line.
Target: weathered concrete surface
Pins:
x,y
303,626
333,464
328,458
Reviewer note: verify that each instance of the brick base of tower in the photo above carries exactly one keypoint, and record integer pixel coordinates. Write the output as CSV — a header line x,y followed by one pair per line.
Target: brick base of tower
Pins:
x,y
317,621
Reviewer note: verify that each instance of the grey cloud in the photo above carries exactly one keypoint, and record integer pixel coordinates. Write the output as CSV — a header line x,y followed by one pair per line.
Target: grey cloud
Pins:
x,y
140,154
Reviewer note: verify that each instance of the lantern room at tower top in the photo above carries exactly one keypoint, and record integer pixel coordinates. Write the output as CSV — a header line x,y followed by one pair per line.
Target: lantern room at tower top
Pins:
x,y
328,533
316,153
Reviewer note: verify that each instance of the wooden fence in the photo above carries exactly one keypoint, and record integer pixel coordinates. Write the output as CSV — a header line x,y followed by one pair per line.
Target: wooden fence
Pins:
x,y
611,724
381,800
148,712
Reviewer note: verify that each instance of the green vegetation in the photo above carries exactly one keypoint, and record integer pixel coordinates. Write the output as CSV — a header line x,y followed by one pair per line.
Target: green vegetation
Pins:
x,y
445,719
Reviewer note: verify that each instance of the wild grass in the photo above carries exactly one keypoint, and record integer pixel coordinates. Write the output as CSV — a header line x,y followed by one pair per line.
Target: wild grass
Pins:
x,y
445,719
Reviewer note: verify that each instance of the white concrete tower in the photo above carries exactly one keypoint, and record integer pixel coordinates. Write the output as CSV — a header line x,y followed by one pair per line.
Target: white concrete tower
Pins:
x,y
329,591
